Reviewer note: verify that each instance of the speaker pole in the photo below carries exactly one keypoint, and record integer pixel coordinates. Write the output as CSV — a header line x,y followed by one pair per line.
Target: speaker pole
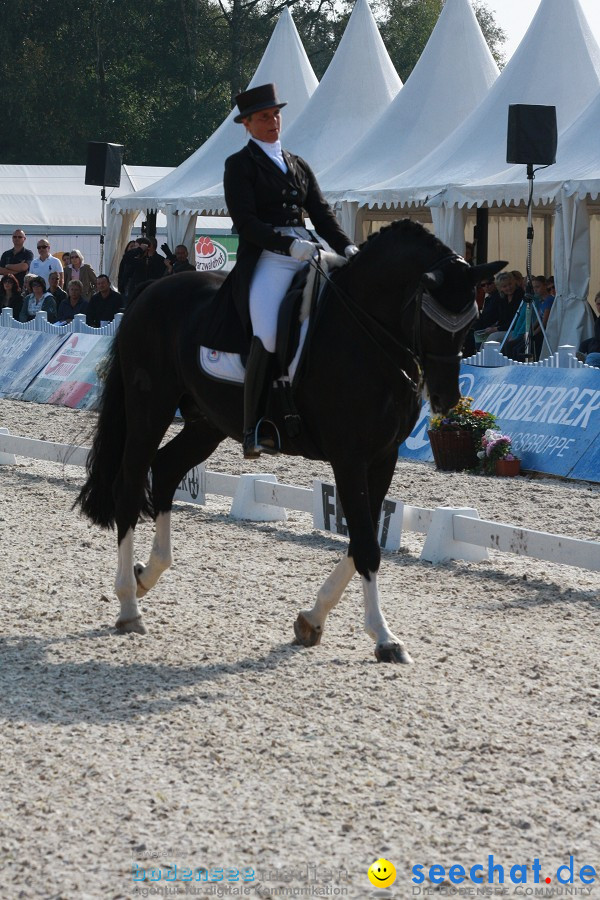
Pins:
x,y
103,197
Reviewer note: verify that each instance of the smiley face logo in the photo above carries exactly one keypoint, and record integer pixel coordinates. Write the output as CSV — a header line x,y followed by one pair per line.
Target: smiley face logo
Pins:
x,y
382,873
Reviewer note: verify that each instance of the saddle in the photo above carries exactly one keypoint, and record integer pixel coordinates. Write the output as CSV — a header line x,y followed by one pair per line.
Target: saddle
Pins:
x,y
296,311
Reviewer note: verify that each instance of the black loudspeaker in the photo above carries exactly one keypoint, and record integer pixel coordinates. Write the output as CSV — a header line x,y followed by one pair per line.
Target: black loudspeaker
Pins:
x,y
104,164
532,135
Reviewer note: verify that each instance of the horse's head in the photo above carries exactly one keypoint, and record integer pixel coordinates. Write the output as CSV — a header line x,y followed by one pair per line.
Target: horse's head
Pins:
x,y
447,310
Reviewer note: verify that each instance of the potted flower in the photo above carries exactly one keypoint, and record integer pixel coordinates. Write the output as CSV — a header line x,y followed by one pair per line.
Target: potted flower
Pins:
x,y
496,455
456,437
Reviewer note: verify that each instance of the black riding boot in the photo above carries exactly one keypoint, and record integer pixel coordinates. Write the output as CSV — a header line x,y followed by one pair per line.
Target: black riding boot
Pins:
x,y
258,369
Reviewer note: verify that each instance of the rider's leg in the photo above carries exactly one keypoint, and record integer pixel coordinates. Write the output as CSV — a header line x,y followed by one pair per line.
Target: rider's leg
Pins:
x,y
271,279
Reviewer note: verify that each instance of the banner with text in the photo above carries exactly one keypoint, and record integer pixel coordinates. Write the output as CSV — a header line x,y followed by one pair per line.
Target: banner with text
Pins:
x,y
552,415
22,355
71,378
328,515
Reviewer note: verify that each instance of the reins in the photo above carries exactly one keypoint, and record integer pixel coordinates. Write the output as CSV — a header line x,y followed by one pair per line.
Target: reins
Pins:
x,y
368,325
379,335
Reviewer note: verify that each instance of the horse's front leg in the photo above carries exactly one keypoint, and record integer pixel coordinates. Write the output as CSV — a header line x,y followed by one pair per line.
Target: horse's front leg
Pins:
x,y
161,557
388,648
362,491
309,625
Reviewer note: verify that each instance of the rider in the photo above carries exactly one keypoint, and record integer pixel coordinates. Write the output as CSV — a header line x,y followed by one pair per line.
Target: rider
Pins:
x,y
267,191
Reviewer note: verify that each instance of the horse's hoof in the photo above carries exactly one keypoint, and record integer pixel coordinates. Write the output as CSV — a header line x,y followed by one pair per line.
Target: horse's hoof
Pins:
x,y
130,626
141,591
306,634
392,653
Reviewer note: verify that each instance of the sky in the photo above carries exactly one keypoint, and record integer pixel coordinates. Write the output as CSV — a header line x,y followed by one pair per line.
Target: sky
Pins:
x,y
515,16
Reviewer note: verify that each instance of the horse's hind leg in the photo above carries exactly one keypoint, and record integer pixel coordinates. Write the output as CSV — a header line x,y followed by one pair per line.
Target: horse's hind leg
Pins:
x,y
130,498
194,443
309,625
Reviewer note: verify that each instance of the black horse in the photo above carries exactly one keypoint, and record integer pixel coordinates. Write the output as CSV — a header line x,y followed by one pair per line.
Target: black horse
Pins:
x,y
395,314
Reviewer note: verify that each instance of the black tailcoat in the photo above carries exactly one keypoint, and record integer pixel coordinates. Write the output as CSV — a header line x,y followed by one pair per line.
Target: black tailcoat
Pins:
x,y
260,196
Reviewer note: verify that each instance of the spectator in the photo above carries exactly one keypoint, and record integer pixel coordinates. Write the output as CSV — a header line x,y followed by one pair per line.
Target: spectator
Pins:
x,y
40,300
145,263
56,291
550,285
589,350
66,261
125,270
82,272
179,261
501,309
519,279
27,292
104,305
10,295
45,263
16,261
75,302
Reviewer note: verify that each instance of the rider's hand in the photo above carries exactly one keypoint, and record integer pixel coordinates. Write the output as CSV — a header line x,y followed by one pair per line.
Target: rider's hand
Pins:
x,y
302,250
351,250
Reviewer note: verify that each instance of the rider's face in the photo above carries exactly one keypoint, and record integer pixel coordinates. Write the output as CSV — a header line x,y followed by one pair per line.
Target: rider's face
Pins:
x,y
265,124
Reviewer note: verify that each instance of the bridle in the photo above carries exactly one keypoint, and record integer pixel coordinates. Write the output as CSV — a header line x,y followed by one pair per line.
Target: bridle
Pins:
x,y
425,303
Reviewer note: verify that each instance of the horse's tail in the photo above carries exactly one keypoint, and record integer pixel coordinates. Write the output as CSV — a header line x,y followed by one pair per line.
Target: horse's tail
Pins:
x,y
96,498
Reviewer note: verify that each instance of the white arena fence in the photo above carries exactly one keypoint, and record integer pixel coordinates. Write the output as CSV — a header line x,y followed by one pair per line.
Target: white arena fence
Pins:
x,y
489,355
451,533
41,323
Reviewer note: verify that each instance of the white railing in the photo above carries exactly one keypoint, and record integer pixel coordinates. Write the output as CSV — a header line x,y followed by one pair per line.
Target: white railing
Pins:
x,y
41,323
490,356
451,533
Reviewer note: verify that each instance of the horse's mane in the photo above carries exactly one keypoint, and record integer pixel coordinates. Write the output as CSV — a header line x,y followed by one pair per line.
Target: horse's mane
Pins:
x,y
405,228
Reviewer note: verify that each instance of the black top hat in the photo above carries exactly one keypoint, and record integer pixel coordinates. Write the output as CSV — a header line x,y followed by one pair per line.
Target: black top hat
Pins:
x,y
262,97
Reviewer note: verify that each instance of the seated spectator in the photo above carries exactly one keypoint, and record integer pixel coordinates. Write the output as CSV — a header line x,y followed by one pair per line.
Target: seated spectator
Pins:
x,y
10,295
550,285
104,305
589,350
55,289
40,300
80,271
75,302
27,292
519,279
498,314
179,261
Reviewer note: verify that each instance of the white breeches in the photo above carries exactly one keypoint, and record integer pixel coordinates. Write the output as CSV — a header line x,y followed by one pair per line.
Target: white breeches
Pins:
x,y
271,279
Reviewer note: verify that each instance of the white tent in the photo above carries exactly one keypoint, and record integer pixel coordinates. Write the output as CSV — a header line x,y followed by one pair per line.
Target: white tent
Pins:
x,y
52,197
284,62
452,76
358,86
568,79
341,108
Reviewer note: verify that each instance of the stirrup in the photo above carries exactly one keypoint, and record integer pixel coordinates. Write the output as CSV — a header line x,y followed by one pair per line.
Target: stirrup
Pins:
x,y
253,445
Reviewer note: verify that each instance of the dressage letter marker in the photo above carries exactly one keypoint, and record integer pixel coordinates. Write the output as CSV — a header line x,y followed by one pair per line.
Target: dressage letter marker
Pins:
x,y
328,515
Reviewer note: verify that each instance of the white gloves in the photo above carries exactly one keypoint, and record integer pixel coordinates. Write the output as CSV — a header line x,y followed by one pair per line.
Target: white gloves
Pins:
x,y
302,250
351,250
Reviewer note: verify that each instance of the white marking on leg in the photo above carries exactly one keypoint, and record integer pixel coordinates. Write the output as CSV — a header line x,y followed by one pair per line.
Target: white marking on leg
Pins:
x,y
125,584
160,556
330,593
375,624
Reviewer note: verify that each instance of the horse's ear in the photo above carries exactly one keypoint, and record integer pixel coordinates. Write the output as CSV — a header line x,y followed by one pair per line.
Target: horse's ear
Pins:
x,y
432,280
487,270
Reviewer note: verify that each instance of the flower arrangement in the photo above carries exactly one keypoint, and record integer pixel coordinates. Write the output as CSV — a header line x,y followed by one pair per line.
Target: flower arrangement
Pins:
x,y
463,418
495,446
